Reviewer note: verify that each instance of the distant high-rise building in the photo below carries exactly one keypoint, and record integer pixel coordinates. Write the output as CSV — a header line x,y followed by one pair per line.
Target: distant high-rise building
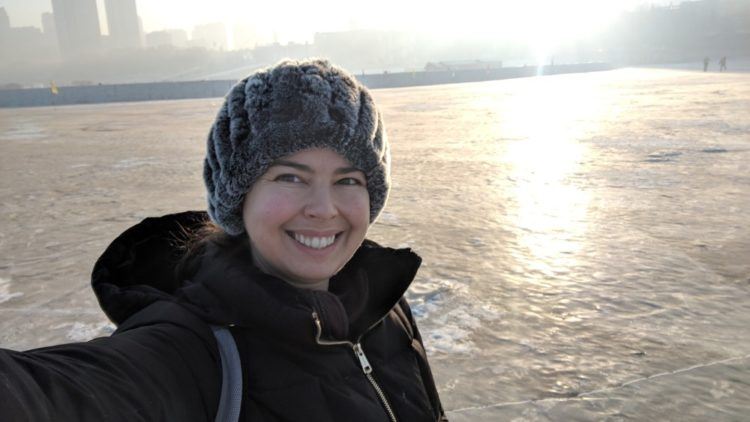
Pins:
x,y
122,19
24,43
4,20
48,23
24,39
141,33
4,34
50,34
77,26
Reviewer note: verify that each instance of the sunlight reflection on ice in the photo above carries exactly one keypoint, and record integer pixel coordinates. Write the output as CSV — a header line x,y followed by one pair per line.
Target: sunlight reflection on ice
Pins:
x,y
550,209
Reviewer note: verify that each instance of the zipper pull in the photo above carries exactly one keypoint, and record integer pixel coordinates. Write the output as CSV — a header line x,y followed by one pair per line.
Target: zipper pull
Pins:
x,y
318,327
362,358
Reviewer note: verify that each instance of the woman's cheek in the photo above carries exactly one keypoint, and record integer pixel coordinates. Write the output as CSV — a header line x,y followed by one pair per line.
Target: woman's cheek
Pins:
x,y
359,203
281,203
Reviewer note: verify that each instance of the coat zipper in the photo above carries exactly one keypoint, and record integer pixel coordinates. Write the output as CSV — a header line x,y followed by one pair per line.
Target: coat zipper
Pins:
x,y
359,353
367,369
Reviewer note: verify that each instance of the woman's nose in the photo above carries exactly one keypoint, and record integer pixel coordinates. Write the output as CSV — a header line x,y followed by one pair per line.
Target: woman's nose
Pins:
x,y
321,204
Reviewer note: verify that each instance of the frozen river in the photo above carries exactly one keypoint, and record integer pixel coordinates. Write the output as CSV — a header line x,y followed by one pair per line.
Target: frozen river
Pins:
x,y
586,238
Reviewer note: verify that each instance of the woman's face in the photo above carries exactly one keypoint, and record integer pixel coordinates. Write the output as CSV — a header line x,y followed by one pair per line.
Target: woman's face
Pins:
x,y
306,216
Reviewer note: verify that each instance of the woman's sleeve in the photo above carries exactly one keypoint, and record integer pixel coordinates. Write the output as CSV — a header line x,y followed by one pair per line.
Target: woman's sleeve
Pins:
x,y
158,366
427,377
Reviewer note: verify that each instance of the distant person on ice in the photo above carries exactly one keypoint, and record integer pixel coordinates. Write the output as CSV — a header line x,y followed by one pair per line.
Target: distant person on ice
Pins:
x,y
272,306
723,64
705,64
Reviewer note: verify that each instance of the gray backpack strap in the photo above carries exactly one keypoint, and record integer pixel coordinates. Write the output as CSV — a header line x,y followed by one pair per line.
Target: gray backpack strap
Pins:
x,y
231,376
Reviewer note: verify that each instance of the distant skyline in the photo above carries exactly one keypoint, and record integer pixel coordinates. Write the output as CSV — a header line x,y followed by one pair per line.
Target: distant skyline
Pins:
x,y
298,20
513,34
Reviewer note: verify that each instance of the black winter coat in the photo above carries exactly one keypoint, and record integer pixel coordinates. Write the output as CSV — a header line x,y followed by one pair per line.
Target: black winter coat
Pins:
x,y
297,347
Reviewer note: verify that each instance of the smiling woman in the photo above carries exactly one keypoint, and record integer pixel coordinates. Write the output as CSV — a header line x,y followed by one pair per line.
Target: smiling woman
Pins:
x,y
278,300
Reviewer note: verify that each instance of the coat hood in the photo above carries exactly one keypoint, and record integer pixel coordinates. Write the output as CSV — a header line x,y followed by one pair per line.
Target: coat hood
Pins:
x,y
139,268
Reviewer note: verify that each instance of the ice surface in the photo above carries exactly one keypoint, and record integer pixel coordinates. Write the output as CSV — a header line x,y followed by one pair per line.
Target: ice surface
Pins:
x,y
584,237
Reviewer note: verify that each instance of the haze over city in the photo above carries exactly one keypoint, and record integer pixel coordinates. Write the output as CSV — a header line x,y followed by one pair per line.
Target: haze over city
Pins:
x,y
297,21
86,42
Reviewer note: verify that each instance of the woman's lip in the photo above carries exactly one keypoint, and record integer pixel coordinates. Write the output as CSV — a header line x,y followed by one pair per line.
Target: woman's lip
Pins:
x,y
315,233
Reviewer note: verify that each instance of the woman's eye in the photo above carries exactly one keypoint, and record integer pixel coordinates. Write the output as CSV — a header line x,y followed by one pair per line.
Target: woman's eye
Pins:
x,y
290,178
351,181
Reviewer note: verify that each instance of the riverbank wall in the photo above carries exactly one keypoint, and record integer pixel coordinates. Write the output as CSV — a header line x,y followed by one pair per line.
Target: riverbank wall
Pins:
x,y
154,91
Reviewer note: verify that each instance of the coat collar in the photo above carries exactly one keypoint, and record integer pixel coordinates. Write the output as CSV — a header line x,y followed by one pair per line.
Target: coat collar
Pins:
x,y
138,268
227,289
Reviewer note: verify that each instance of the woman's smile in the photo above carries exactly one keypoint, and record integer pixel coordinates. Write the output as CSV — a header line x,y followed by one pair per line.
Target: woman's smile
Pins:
x,y
313,241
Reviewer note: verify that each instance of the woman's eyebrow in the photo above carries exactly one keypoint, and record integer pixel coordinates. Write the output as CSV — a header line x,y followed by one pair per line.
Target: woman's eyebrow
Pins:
x,y
292,164
308,169
345,170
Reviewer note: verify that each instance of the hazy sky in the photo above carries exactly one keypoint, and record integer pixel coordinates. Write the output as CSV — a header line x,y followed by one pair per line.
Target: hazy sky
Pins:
x,y
297,20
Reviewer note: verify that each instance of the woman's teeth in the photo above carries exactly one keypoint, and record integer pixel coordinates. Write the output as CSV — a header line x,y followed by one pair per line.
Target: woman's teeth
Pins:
x,y
315,242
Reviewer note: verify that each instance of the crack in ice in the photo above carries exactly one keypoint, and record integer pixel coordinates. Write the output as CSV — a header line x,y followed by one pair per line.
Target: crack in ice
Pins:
x,y
584,396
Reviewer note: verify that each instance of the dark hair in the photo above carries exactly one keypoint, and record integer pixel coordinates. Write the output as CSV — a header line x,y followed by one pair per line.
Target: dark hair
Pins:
x,y
195,241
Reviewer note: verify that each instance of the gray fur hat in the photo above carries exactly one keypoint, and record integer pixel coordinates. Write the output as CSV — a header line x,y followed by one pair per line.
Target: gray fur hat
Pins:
x,y
278,111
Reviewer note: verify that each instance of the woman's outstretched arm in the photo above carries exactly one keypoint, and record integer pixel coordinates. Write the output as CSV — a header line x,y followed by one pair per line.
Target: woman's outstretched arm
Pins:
x,y
161,364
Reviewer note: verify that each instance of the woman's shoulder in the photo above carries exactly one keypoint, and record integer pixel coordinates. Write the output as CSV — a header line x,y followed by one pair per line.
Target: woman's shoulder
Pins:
x,y
168,314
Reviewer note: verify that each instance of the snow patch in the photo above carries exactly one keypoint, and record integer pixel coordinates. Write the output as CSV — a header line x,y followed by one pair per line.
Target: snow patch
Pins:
x,y
80,331
454,333
448,315
5,294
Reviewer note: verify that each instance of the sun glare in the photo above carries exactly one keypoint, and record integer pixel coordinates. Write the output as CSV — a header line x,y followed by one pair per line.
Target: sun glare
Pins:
x,y
544,127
